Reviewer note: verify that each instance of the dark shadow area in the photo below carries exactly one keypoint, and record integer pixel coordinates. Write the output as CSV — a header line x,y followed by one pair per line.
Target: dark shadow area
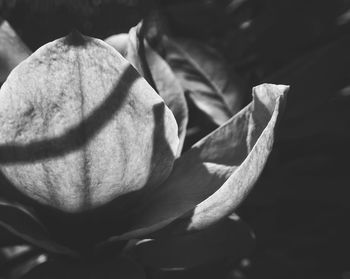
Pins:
x,y
41,22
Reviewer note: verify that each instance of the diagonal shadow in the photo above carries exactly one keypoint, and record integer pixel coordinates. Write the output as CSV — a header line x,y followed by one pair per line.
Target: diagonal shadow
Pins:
x,y
72,139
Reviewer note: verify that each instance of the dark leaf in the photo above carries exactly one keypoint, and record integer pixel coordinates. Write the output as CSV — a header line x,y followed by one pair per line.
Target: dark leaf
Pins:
x,y
313,141
110,269
315,78
18,221
204,75
19,260
229,239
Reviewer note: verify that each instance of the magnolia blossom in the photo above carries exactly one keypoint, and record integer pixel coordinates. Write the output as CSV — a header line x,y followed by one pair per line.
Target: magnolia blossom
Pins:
x,y
90,153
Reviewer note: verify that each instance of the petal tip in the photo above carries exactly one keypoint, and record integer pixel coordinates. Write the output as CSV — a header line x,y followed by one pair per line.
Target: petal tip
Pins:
x,y
75,38
272,90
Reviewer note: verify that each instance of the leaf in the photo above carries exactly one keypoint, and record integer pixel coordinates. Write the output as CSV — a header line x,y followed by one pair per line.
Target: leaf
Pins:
x,y
313,143
80,127
204,75
315,76
230,238
12,50
19,260
19,222
165,81
210,180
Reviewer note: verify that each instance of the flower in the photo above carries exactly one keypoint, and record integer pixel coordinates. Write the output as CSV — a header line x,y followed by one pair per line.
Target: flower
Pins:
x,y
91,153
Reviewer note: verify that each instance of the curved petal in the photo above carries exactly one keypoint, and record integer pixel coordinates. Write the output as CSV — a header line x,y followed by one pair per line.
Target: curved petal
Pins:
x,y
170,90
21,223
209,181
12,50
80,127
167,85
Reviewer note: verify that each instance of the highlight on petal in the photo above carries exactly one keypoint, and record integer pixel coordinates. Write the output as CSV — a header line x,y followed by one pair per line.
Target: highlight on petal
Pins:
x,y
12,50
80,127
167,85
210,180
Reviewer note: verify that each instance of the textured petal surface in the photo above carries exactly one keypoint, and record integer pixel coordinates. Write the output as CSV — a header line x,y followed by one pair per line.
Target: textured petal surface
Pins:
x,y
209,181
80,127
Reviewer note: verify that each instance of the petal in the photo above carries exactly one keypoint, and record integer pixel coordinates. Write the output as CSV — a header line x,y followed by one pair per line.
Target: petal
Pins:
x,y
80,127
12,50
163,77
209,181
19,222
169,89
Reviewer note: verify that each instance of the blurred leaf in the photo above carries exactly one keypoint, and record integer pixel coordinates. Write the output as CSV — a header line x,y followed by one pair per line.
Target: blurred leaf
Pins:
x,y
313,143
217,173
196,17
204,75
315,77
108,269
7,238
20,222
80,7
12,50
229,239
20,260
165,81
